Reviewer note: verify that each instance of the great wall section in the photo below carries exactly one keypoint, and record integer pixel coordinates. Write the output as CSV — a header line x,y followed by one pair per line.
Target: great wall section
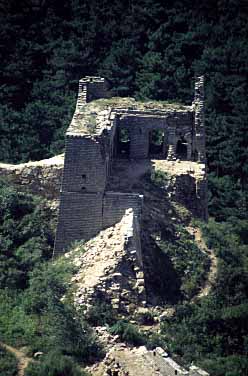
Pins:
x,y
112,145
105,130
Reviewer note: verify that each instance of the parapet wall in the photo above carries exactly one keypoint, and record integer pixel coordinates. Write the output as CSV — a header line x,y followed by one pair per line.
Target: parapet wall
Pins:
x,y
199,122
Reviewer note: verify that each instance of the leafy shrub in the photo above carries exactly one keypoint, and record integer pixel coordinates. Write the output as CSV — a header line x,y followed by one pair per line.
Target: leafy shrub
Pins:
x,y
128,333
226,198
40,319
160,178
188,261
55,364
100,314
8,363
229,366
156,340
145,318
26,235
47,285
16,326
34,308
60,326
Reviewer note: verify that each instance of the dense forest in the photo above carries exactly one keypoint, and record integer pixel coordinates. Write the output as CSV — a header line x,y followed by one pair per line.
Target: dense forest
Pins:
x,y
146,49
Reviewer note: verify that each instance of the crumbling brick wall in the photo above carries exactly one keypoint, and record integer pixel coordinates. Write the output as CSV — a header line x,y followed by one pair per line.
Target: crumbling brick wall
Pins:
x,y
91,88
175,125
41,177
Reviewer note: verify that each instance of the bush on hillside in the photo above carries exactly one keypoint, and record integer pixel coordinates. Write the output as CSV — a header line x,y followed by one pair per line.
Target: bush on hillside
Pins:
x,y
26,235
8,363
101,314
55,364
128,333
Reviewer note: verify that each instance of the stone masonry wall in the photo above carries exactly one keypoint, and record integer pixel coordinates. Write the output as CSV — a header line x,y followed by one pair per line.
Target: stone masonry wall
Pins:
x,y
139,127
80,218
187,184
83,215
175,124
115,204
41,177
192,193
91,148
85,166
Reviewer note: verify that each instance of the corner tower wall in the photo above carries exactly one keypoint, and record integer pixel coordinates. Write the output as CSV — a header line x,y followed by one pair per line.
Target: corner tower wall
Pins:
x,y
85,167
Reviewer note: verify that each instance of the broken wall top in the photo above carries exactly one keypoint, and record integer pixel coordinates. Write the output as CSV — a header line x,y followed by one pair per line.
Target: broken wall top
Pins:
x,y
92,118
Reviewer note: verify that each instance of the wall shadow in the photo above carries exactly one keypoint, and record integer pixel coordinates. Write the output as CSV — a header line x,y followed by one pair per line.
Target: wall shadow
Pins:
x,y
161,280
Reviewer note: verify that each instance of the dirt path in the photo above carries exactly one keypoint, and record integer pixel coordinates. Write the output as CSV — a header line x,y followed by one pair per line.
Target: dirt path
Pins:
x,y
22,359
212,274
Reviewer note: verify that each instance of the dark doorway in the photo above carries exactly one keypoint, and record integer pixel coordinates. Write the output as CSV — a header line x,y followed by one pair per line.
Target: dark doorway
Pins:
x,y
156,142
195,156
181,149
123,143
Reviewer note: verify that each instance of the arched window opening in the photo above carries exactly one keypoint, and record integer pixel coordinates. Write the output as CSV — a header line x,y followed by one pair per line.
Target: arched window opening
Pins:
x,y
181,149
156,142
123,143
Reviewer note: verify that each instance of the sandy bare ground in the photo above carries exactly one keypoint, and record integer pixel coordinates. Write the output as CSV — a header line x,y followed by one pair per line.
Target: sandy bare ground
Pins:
x,y
212,273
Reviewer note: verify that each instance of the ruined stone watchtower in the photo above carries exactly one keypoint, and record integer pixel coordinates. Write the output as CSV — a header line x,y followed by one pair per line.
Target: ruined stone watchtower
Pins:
x,y
106,129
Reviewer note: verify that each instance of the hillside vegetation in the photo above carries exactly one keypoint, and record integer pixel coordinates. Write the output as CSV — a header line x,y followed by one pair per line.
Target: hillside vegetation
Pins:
x,y
150,50
33,314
